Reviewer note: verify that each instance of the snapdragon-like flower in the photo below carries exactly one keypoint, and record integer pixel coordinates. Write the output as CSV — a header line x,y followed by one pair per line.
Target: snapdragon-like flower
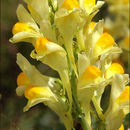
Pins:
x,y
87,84
98,43
26,29
46,53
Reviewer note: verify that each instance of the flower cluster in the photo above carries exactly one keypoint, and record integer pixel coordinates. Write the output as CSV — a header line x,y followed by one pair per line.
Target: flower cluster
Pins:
x,y
65,38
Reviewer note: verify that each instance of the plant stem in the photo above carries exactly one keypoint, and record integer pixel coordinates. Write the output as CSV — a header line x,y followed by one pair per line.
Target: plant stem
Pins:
x,y
98,109
79,113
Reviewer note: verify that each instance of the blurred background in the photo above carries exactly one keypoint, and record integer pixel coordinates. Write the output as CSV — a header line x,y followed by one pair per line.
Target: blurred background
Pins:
x,y
12,116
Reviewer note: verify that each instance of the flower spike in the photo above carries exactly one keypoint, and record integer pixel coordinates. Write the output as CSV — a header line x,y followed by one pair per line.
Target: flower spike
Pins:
x,y
82,52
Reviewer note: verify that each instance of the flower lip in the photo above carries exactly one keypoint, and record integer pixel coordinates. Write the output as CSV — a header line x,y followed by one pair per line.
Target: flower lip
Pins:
x,y
70,4
20,27
114,68
91,73
124,96
40,45
104,42
32,92
22,79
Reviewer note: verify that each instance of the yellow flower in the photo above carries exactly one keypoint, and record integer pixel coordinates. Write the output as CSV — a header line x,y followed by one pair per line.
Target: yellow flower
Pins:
x,y
38,94
88,82
98,43
26,29
55,56
45,49
70,4
119,102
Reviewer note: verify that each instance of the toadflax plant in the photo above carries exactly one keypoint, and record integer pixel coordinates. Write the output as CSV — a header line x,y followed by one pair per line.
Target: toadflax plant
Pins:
x,y
65,38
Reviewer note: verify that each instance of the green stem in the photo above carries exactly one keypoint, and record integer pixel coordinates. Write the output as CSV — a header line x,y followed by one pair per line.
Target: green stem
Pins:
x,y
98,109
83,122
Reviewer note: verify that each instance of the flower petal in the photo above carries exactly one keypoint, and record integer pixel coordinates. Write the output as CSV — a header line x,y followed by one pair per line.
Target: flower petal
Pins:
x,y
70,4
67,24
114,68
35,77
83,62
41,7
25,17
